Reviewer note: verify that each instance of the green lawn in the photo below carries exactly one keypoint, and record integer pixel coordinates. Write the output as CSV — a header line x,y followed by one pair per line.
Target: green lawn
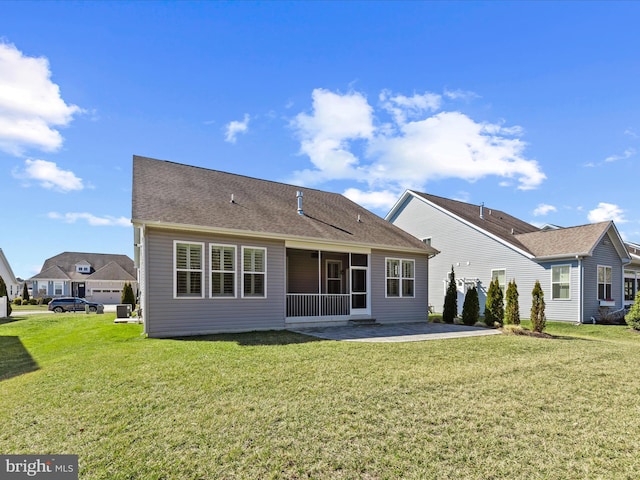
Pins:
x,y
281,405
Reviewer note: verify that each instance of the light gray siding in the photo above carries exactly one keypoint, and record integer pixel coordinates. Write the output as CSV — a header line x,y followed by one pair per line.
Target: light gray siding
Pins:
x,y
166,316
604,254
394,309
474,254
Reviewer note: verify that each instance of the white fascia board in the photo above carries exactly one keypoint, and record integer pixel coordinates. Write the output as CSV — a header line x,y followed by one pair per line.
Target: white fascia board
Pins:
x,y
474,227
315,244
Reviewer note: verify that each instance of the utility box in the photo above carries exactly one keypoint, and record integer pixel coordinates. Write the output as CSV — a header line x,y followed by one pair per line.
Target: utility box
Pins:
x,y
123,311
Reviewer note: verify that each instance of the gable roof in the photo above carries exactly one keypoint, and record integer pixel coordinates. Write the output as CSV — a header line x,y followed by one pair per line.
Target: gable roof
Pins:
x,y
111,271
63,265
171,194
548,242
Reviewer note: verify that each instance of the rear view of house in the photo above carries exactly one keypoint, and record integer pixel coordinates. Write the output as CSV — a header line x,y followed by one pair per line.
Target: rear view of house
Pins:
x,y
218,252
580,268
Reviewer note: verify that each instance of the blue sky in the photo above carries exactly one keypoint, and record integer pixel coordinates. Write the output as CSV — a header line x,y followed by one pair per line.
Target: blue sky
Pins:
x,y
530,107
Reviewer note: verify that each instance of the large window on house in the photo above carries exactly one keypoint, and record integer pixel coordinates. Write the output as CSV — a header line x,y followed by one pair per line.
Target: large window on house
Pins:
x,y
604,282
400,277
188,264
58,288
501,275
223,271
560,282
254,272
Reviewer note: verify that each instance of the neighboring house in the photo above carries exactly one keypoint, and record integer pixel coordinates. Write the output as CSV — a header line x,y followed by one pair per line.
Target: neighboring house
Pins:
x,y
98,277
219,252
632,274
13,284
579,268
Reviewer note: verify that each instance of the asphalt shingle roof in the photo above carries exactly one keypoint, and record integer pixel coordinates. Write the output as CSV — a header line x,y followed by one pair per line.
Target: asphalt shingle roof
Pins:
x,y
63,266
170,193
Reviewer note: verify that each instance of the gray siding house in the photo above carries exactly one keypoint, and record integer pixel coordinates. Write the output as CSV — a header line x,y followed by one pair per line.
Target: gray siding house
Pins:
x,y
98,277
580,269
13,284
218,252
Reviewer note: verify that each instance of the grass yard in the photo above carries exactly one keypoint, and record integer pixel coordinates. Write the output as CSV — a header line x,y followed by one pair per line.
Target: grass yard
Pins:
x,y
281,405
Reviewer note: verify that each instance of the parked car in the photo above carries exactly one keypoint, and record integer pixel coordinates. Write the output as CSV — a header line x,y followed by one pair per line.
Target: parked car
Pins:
x,y
74,304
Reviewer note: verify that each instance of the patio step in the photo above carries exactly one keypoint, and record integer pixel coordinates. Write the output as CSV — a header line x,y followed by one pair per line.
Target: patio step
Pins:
x,y
363,322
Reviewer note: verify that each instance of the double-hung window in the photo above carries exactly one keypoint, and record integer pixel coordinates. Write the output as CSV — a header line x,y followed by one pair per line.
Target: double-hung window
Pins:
x,y
501,275
400,277
223,271
560,285
254,272
604,282
188,265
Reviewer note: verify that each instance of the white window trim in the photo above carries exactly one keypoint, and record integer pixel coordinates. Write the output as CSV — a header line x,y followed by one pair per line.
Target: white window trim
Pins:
x,y
569,282
506,283
327,278
235,271
175,270
598,282
248,247
400,277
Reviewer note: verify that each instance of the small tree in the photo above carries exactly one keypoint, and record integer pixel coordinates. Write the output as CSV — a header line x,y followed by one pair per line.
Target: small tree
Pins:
x,y
512,308
450,309
128,298
471,307
538,320
494,308
25,292
633,317
3,293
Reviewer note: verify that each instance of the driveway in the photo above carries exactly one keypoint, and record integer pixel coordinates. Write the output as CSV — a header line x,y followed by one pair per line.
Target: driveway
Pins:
x,y
403,332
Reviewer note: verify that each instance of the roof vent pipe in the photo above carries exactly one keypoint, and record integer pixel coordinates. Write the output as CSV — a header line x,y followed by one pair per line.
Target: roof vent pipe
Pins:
x,y
299,196
482,211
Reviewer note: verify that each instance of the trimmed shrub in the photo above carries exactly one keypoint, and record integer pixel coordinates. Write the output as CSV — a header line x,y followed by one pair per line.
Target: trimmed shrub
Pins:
x,y
471,307
45,300
512,308
450,309
128,298
633,317
538,319
25,292
17,301
33,301
494,307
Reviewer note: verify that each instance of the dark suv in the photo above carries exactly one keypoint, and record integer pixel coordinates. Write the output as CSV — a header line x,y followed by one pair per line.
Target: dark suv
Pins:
x,y
74,304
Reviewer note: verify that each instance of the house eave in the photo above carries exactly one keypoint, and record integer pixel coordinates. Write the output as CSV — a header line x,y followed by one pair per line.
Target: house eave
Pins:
x,y
288,239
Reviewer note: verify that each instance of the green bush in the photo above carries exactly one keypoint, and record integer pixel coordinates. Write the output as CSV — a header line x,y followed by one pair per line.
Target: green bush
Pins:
x,y
25,292
17,301
33,301
450,309
538,319
45,300
633,317
512,309
128,297
494,308
471,307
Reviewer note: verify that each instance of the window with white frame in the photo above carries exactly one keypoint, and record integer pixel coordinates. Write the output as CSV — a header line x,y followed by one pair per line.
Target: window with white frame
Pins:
x,y
501,275
188,264
58,288
254,272
223,271
560,282
400,277
604,282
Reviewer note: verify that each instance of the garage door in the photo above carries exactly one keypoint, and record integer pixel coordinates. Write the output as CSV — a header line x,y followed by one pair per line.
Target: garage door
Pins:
x,y
106,296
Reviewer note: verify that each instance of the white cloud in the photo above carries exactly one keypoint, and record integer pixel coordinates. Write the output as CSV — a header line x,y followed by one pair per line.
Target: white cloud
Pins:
x,y
30,103
93,220
235,127
631,133
628,153
372,200
544,209
606,211
50,176
419,146
460,95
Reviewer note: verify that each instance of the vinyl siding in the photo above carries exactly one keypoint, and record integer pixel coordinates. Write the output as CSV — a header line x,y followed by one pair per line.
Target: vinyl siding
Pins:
x,y
474,254
604,254
398,309
166,316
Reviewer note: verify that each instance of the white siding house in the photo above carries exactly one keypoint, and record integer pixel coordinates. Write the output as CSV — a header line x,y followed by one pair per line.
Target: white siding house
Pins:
x,y
579,268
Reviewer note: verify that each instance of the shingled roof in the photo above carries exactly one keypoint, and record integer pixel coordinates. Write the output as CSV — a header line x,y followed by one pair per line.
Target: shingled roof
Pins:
x,y
63,266
539,243
172,194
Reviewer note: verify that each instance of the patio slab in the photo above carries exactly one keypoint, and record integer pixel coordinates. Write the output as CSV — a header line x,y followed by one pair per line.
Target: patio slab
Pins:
x,y
403,332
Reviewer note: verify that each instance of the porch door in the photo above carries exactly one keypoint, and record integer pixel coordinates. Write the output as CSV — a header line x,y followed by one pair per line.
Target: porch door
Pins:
x,y
359,287
334,277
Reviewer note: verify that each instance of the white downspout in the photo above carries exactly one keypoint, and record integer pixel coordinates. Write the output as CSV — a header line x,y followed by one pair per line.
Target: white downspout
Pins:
x,y
581,306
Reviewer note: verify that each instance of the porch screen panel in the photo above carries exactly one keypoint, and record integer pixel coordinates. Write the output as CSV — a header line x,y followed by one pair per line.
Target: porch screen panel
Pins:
x,y
223,271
